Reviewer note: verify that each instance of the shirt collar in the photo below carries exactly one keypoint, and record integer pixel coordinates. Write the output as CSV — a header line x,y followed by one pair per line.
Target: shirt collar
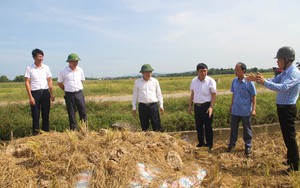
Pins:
x,y
69,69
243,80
150,79
203,79
290,68
42,66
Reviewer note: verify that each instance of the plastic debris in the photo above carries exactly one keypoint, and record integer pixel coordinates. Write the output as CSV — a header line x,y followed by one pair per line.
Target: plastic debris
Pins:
x,y
187,182
83,179
147,175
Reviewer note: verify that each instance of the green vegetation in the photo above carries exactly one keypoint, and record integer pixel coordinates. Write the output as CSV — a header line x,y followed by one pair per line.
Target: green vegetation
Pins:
x,y
4,78
17,118
216,71
12,91
262,169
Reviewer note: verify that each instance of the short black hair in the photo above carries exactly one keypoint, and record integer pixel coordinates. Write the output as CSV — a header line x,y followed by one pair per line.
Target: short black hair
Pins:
x,y
201,66
243,66
37,51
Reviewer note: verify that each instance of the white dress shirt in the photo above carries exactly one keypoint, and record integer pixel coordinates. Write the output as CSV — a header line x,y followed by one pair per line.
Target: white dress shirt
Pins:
x,y
203,89
38,76
72,80
146,92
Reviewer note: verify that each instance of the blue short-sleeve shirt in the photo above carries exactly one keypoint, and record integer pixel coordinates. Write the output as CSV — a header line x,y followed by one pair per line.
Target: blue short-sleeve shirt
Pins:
x,y
243,92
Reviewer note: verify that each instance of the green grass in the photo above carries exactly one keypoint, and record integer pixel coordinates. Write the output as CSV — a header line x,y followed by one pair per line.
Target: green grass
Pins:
x,y
17,117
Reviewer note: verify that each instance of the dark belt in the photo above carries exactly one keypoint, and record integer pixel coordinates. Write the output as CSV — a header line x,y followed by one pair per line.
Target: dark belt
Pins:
x,y
201,104
284,105
73,92
148,104
40,90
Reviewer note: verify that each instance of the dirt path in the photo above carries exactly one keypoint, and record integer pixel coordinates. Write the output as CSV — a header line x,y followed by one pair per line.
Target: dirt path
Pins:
x,y
125,97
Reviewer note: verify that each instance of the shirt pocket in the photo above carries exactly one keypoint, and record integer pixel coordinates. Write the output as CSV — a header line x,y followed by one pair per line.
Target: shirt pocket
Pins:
x,y
152,87
244,92
205,90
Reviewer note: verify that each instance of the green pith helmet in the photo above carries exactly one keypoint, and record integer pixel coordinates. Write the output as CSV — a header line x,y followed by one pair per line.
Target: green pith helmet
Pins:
x,y
73,57
146,68
286,52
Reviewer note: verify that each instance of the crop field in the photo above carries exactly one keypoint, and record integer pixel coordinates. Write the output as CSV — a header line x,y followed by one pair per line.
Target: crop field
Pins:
x,y
33,161
16,119
15,91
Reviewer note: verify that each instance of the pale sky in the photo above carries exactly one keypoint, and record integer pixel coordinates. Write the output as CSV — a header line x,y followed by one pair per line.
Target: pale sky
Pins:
x,y
116,37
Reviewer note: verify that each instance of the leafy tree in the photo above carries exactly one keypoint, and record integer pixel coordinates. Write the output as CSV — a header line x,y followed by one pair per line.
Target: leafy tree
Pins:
x,y
4,78
19,78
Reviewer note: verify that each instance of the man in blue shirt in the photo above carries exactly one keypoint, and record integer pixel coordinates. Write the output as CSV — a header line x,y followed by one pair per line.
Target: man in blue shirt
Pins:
x,y
243,105
287,85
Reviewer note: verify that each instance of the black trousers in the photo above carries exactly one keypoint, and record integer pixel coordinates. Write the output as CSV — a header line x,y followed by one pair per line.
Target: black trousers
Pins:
x,y
75,101
202,119
287,115
42,104
149,111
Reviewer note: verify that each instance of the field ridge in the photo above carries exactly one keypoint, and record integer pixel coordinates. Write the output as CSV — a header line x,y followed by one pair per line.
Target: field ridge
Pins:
x,y
122,98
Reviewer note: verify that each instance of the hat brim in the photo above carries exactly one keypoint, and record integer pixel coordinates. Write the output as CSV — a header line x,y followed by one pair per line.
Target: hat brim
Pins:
x,y
146,71
73,60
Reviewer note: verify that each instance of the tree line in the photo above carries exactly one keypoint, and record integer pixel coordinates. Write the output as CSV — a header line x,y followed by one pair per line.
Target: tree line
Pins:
x,y
212,71
19,78
216,71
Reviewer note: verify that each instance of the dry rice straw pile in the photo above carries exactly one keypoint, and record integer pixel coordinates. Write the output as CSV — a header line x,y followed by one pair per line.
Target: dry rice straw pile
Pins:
x,y
55,159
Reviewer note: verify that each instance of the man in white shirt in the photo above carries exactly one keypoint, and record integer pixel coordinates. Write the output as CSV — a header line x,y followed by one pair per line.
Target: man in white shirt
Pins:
x,y
203,95
70,80
38,83
147,93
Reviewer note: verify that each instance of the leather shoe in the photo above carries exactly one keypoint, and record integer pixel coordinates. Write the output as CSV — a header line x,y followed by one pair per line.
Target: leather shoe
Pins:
x,y
199,145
